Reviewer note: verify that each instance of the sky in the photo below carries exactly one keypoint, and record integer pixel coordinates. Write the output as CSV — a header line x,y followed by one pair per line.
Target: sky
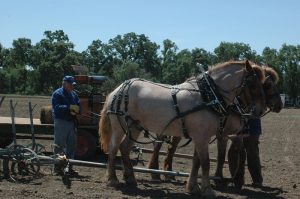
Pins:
x,y
189,23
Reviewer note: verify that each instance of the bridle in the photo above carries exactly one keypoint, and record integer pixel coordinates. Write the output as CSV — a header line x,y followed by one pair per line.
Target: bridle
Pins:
x,y
240,105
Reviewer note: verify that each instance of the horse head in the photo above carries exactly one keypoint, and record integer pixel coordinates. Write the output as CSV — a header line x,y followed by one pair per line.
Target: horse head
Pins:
x,y
272,94
252,93
241,81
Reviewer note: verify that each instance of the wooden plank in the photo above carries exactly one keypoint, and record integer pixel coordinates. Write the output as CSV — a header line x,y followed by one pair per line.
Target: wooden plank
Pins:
x,y
26,128
19,120
23,126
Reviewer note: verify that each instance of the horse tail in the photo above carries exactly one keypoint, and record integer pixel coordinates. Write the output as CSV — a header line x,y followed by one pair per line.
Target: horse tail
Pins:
x,y
105,131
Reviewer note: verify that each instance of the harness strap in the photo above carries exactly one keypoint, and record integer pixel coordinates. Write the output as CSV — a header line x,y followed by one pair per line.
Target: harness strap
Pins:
x,y
140,128
116,102
119,96
183,114
220,132
174,91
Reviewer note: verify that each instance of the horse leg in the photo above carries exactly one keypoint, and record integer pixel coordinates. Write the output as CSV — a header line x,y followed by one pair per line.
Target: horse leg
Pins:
x,y
116,139
170,154
125,149
236,160
221,145
202,150
192,184
154,163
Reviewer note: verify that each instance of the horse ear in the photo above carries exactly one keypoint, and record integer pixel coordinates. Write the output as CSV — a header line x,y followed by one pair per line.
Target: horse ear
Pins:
x,y
248,67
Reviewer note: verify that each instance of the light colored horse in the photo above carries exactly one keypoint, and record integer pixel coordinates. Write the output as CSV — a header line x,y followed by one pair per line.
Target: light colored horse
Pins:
x,y
274,103
142,105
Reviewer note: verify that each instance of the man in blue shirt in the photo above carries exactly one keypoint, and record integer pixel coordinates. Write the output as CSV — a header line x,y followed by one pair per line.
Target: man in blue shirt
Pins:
x,y
65,106
250,150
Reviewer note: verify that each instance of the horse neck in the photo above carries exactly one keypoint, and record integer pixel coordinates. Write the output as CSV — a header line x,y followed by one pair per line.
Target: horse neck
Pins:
x,y
228,79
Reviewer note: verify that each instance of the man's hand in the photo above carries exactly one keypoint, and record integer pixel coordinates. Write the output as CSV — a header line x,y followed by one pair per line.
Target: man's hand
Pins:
x,y
74,109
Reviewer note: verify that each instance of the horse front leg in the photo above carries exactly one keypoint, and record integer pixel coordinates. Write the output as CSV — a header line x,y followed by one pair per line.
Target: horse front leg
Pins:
x,y
170,154
221,146
154,163
192,184
236,162
202,150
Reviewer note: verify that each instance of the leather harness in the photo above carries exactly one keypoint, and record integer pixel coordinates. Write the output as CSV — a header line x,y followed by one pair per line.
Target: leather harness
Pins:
x,y
212,100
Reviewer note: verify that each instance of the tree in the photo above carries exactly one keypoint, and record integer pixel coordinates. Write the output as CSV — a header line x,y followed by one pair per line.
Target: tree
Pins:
x,y
135,48
53,57
15,65
270,58
168,65
235,51
127,70
289,56
201,56
98,59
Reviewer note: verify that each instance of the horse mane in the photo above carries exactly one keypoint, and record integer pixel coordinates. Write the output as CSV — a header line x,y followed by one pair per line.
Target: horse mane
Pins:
x,y
270,71
257,69
225,64
259,72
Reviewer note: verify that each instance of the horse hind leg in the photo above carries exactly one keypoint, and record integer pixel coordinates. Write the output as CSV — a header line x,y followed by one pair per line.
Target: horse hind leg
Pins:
x,y
154,162
192,185
125,149
114,145
170,154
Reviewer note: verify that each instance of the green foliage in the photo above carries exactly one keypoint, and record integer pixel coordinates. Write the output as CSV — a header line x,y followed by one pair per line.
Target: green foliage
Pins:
x,y
127,70
234,51
39,68
270,58
289,57
53,58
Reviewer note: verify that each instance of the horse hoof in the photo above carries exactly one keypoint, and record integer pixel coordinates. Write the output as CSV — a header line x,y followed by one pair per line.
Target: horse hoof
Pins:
x,y
169,178
194,190
112,183
131,181
155,177
209,193
220,183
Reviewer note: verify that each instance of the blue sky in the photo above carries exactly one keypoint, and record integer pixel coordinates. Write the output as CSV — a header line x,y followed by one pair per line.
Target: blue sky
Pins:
x,y
189,23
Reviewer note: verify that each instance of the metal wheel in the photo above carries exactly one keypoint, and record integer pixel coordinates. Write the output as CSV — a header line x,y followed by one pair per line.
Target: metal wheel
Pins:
x,y
24,161
39,149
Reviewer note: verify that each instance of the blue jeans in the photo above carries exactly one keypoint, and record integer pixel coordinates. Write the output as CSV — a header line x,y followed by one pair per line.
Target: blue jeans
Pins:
x,y
64,138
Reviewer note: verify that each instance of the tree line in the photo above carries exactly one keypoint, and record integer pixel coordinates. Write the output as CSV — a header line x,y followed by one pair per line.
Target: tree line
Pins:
x,y
38,69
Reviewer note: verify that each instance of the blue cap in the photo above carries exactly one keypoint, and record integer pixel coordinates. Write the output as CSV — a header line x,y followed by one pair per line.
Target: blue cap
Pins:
x,y
69,79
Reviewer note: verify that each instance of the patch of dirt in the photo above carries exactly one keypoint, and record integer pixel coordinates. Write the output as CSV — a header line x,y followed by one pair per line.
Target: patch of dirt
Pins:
x,y
280,156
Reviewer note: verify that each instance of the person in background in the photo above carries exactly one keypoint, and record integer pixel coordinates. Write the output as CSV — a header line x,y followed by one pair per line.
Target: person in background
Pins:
x,y
237,156
65,106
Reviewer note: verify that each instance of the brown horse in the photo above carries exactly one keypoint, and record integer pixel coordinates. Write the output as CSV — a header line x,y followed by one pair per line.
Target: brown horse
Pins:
x,y
138,105
273,102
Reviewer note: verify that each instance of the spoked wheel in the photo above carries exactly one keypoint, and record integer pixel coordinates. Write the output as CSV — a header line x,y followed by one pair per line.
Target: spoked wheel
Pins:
x,y
24,161
39,149
86,146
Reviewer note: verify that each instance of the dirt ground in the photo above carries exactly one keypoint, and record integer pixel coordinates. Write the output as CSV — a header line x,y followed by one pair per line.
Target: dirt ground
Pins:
x,y
280,156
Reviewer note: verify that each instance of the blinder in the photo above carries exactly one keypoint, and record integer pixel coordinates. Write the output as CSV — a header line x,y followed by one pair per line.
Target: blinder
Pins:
x,y
244,101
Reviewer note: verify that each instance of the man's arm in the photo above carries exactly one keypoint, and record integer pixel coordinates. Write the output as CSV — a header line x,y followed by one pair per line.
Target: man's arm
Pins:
x,y
57,104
